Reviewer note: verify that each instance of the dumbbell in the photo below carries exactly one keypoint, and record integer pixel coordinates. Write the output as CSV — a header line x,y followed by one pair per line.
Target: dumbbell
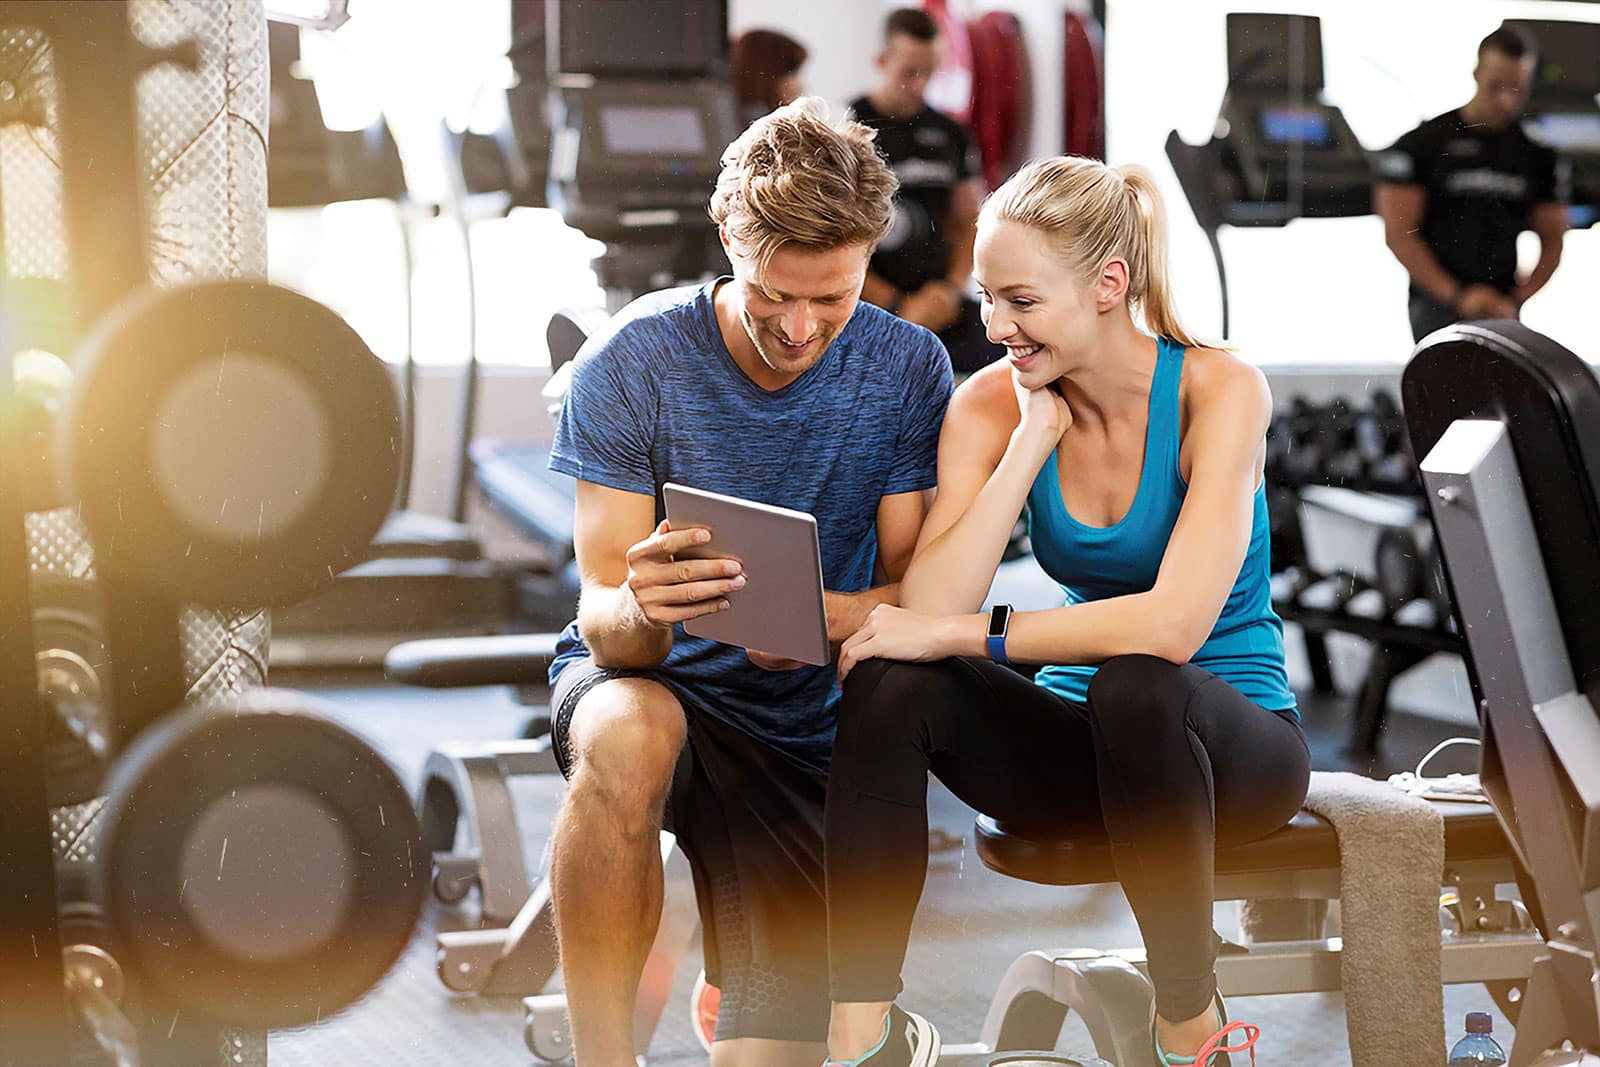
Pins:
x,y
1305,453
233,444
1342,462
1334,592
1400,568
1280,441
71,667
1287,541
260,865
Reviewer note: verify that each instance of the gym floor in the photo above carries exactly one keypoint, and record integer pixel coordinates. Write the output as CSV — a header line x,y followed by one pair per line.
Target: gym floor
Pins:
x,y
971,925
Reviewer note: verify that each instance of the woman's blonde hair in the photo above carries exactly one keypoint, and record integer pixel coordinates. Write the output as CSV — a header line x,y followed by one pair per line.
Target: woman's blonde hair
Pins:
x,y
1093,213
795,178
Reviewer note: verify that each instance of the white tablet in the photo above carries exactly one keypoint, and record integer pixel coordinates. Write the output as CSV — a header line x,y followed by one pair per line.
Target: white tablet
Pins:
x,y
779,610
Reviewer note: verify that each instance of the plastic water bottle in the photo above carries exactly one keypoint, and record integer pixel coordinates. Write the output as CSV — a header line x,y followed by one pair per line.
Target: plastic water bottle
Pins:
x,y
1477,1047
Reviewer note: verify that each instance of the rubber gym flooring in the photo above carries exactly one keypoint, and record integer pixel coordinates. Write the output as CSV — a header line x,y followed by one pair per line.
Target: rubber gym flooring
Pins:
x,y
971,925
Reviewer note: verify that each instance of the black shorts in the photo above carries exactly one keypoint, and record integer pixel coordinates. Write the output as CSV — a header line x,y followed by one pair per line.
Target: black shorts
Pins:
x,y
749,818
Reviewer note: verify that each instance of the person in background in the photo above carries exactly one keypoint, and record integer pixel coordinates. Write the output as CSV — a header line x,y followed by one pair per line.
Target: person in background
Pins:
x,y
765,70
921,268
1455,192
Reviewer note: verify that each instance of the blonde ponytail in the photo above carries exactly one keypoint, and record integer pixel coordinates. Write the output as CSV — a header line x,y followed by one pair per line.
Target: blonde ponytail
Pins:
x,y
1154,298
1094,213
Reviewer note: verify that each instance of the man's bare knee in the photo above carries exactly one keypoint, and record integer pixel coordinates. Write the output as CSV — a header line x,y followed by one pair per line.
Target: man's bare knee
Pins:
x,y
625,739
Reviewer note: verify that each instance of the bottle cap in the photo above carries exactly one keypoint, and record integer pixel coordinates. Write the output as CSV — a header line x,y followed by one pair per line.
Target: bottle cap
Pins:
x,y
1479,1022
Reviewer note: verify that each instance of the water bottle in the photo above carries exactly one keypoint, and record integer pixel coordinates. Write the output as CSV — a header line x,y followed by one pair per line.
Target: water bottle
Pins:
x,y
1477,1047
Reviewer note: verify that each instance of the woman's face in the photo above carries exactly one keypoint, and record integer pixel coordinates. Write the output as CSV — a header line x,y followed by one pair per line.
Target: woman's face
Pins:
x,y
1032,305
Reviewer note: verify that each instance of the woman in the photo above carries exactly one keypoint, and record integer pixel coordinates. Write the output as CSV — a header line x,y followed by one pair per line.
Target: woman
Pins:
x,y
764,66
1162,716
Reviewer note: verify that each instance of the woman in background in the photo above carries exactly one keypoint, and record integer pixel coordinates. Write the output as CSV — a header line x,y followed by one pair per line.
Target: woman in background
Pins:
x,y
766,71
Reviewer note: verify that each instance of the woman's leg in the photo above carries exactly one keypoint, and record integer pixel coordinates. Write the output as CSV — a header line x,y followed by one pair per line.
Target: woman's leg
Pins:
x,y
1000,743
1185,761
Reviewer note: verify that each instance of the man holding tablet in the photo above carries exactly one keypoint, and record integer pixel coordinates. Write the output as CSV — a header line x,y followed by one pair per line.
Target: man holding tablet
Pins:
x,y
779,386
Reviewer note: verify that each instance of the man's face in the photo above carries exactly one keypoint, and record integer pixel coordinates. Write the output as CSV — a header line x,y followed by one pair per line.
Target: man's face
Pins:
x,y
906,64
797,307
1503,84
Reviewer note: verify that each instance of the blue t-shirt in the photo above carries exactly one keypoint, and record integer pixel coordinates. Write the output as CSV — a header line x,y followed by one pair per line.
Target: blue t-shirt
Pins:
x,y
658,398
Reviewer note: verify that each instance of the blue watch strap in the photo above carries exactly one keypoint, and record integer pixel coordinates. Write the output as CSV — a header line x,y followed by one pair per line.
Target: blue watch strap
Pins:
x,y
999,623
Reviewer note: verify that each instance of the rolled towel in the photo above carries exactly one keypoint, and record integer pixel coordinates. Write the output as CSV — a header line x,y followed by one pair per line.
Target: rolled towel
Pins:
x,y
1391,849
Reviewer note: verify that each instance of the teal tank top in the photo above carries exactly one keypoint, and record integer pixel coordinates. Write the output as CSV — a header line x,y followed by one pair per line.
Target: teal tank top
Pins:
x,y
1096,562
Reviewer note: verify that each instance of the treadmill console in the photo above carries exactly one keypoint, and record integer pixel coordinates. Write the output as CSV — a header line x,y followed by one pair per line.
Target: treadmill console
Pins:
x,y
1563,113
631,155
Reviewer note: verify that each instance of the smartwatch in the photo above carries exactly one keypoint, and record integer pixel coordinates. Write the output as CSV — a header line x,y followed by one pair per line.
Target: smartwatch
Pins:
x,y
999,622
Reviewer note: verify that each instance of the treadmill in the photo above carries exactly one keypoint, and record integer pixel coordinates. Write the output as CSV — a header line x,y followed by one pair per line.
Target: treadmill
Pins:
x,y
632,150
1563,110
1280,152
425,574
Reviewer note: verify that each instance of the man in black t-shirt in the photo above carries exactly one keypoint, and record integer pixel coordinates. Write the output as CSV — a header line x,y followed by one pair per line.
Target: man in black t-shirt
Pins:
x,y
921,267
1456,191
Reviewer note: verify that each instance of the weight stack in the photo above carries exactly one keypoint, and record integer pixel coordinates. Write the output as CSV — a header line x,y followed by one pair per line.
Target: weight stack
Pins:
x,y
202,139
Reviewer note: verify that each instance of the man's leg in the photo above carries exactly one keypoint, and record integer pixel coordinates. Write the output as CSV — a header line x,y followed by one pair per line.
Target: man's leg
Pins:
x,y
750,819
605,861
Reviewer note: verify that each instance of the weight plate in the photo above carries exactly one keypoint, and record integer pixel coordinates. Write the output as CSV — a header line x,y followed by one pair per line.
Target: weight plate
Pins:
x,y
230,443
261,865
73,672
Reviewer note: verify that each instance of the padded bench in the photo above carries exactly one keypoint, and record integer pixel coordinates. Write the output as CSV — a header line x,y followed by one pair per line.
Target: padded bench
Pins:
x,y
1308,843
1493,941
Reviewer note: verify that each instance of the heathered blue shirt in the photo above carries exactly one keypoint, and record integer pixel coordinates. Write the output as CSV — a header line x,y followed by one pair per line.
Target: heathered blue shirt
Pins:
x,y
658,398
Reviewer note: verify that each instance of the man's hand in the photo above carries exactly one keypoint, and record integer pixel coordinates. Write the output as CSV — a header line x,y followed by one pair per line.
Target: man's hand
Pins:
x,y
1485,302
669,590
936,305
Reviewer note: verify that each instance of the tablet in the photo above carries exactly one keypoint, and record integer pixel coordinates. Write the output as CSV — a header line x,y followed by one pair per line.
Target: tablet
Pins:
x,y
779,610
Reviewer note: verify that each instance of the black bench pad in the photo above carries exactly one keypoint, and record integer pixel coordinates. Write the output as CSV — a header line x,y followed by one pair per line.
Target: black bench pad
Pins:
x,y
1307,842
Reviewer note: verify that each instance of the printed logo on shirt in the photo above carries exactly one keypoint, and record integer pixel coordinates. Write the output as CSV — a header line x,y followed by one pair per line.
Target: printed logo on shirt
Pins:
x,y
1486,182
1396,166
1464,146
925,172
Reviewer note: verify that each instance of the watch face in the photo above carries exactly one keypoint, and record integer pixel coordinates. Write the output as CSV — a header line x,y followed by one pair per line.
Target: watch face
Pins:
x,y
997,620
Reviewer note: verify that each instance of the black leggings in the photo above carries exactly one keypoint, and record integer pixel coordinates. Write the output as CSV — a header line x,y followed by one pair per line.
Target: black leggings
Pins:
x,y
1165,760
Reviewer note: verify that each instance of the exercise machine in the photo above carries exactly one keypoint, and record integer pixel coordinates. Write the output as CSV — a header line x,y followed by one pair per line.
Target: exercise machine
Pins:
x,y
424,574
1280,152
1563,113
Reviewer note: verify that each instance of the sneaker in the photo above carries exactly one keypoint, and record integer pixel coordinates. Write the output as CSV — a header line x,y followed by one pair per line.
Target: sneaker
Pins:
x,y
909,1040
704,1001
1214,1053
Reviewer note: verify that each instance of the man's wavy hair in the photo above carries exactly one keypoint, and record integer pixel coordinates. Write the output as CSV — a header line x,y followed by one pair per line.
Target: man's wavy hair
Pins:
x,y
795,178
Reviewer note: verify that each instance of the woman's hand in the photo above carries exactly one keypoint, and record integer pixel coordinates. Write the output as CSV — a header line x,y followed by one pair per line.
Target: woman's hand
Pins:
x,y
1045,414
895,633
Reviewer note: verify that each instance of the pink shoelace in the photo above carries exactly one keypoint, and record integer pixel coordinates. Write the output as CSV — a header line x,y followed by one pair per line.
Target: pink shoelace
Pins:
x,y
1214,1043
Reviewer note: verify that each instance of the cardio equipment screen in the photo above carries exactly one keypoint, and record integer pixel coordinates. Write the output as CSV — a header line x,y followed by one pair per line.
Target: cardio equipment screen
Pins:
x,y
654,131
1295,125
1565,131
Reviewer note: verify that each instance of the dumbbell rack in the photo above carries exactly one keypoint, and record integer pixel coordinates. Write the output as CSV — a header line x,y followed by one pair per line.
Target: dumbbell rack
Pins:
x,y
1363,452
97,62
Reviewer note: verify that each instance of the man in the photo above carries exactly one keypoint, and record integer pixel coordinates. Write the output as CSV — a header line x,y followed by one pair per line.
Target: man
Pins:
x,y
1456,191
775,385
921,267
